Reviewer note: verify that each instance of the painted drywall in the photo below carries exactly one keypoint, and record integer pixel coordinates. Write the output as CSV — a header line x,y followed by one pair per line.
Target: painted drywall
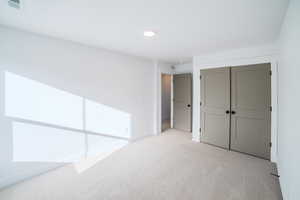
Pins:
x,y
236,57
166,97
288,101
121,82
183,68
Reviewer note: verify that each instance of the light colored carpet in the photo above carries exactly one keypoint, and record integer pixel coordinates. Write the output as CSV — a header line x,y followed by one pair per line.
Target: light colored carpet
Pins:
x,y
166,167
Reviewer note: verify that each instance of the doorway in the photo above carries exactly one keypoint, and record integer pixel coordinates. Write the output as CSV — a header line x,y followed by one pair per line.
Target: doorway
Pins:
x,y
235,108
166,89
182,102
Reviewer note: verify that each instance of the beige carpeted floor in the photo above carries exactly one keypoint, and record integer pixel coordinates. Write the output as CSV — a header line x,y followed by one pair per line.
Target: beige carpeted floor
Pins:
x,y
169,167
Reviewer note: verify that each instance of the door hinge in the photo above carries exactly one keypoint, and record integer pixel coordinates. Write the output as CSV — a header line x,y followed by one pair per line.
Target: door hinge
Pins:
x,y
200,77
200,103
271,108
200,130
270,144
270,72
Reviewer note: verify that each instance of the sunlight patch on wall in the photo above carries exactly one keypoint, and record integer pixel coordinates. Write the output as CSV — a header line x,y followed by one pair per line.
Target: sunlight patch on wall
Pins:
x,y
34,143
51,125
104,119
31,100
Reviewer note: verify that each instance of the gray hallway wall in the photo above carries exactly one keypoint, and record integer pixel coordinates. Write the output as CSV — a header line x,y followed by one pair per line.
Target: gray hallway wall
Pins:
x,y
166,97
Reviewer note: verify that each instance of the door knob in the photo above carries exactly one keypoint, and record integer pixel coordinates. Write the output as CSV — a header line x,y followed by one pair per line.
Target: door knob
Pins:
x,y
189,105
227,111
233,112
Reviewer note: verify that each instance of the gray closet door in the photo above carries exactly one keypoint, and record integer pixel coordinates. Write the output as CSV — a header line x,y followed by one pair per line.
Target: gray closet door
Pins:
x,y
182,104
215,101
250,105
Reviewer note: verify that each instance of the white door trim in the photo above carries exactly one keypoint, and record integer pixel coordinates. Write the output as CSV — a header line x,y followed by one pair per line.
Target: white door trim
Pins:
x,y
237,58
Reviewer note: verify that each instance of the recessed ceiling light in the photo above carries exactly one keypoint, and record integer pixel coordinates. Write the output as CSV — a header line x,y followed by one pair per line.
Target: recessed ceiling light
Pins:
x,y
149,33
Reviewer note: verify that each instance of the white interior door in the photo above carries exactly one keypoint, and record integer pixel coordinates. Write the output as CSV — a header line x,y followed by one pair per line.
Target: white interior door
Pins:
x,y
215,106
250,105
182,102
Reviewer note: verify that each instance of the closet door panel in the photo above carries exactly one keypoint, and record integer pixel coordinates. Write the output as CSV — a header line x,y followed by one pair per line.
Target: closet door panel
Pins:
x,y
215,101
250,105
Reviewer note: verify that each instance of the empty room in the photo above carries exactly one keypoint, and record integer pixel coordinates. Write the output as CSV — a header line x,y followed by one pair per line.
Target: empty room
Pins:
x,y
150,100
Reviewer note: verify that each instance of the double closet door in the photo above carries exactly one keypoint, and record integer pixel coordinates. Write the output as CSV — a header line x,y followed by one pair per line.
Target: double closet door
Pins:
x,y
235,108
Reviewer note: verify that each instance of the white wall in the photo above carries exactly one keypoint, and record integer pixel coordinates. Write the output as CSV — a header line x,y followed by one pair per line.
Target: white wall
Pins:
x,y
236,57
288,101
183,68
124,83
166,97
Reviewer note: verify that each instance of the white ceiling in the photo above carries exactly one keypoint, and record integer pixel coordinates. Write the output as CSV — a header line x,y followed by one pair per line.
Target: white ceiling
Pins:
x,y
185,27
